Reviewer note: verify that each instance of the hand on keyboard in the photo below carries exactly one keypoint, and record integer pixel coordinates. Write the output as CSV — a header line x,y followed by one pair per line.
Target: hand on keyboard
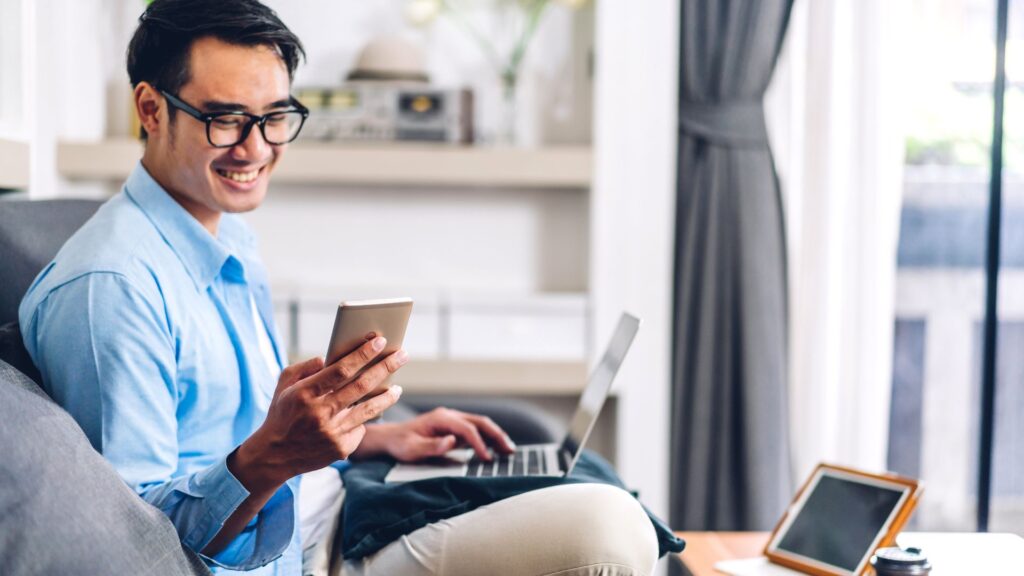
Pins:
x,y
433,434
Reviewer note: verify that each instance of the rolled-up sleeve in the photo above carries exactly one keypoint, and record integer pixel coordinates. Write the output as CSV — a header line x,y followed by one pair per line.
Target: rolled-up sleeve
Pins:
x,y
107,356
200,503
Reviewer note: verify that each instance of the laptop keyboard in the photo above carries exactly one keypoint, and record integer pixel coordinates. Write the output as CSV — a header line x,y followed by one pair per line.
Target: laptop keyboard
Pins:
x,y
525,461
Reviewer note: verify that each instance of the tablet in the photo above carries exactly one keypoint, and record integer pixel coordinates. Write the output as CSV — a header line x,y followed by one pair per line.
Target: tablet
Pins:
x,y
360,320
839,518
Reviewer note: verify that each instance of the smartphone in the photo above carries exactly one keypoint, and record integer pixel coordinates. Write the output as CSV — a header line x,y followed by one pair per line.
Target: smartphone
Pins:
x,y
358,321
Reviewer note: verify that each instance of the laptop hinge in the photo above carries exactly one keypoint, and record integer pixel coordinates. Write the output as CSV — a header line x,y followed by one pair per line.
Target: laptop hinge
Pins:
x,y
564,460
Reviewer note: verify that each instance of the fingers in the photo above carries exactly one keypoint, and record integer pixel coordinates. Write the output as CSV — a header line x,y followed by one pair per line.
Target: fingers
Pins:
x,y
492,431
468,433
297,372
344,370
368,381
358,415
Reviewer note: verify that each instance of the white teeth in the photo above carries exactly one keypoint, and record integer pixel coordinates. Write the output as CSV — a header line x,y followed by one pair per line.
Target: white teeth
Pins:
x,y
240,176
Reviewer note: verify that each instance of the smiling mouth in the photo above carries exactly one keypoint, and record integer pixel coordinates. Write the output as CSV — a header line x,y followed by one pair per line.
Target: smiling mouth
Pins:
x,y
241,177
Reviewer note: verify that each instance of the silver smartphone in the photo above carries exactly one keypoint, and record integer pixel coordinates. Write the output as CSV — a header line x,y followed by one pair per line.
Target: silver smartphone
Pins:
x,y
360,320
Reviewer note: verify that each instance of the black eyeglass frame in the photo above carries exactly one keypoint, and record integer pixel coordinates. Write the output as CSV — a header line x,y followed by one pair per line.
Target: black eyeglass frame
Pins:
x,y
209,117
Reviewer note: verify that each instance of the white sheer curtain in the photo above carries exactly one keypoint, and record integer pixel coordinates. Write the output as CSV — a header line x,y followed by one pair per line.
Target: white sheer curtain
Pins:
x,y
834,116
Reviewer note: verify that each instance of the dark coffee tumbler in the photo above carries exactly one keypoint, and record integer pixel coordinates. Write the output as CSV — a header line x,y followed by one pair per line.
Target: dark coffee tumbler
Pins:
x,y
900,562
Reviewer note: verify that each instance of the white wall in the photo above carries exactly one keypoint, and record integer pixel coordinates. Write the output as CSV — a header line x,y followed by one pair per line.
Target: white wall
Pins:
x,y
632,222
74,63
464,240
13,92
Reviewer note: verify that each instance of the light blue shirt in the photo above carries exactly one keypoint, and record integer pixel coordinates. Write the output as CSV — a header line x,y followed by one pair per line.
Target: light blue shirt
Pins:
x,y
142,328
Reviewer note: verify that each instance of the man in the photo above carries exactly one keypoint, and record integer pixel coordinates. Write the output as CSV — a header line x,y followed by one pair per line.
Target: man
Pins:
x,y
152,327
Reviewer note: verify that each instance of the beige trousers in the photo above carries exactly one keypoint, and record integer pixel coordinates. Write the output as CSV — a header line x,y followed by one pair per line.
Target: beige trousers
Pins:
x,y
569,530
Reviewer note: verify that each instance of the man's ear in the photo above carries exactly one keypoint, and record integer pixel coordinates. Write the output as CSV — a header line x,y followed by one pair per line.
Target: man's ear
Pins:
x,y
148,106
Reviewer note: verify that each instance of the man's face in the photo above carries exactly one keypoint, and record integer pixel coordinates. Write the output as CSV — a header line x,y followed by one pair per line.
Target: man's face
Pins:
x,y
208,180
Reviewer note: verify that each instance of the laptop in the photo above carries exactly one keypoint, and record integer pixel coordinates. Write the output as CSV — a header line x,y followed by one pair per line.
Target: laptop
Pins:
x,y
539,459
834,525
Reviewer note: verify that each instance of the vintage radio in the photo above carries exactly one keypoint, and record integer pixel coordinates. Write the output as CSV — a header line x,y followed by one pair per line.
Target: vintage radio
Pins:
x,y
388,111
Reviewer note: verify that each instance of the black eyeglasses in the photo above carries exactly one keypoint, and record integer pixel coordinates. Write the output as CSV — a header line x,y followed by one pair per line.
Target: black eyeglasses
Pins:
x,y
227,129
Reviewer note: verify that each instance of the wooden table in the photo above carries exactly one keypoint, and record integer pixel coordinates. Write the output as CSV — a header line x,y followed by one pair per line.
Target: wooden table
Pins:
x,y
703,549
951,554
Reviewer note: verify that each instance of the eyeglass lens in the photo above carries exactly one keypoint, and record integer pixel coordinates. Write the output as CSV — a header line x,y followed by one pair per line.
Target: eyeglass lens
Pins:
x,y
280,128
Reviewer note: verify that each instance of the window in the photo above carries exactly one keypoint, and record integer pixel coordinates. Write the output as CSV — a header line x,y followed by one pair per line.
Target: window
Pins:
x,y
941,276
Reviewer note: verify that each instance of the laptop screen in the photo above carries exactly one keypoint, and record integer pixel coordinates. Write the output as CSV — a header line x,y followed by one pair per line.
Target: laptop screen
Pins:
x,y
596,392
839,520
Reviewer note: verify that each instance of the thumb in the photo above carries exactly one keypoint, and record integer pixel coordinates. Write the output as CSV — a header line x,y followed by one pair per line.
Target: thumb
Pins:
x,y
428,446
296,372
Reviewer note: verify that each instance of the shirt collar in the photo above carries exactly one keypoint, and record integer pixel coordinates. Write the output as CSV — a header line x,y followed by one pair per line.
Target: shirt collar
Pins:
x,y
202,254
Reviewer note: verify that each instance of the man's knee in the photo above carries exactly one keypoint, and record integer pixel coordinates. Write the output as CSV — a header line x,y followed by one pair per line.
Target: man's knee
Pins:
x,y
603,524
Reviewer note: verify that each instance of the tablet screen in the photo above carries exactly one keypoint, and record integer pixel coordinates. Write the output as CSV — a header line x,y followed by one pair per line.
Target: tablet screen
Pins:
x,y
841,520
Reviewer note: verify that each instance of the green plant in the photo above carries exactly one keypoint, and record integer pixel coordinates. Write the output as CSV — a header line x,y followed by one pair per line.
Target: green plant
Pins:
x,y
506,60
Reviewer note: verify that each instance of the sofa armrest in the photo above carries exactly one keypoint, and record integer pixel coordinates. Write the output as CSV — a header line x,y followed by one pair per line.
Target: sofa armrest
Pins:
x,y
12,351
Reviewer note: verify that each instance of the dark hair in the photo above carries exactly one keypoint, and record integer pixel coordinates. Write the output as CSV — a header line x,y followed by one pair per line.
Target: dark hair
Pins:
x,y
159,50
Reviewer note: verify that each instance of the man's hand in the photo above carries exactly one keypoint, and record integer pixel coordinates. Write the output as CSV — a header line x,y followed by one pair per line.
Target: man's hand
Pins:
x,y
432,434
311,421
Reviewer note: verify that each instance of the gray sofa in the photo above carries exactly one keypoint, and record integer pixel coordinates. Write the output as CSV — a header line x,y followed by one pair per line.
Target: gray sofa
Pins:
x,y
63,509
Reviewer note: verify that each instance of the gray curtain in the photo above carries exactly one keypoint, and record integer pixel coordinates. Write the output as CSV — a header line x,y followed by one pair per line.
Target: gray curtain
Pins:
x,y
730,468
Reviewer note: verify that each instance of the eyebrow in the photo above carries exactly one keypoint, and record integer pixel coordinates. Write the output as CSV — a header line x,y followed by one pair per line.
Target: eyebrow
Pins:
x,y
218,106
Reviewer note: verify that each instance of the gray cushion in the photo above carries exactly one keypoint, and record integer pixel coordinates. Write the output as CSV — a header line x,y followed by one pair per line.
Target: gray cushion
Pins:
x,y
63,508
31,232
12,351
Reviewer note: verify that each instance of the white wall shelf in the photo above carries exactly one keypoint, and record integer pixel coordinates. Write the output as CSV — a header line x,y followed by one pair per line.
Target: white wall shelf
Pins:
x,y
567,167
14,164
493,377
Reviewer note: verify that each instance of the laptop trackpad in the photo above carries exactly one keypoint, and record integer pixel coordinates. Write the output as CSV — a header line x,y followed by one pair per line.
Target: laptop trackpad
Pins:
x,y
759,566
453,464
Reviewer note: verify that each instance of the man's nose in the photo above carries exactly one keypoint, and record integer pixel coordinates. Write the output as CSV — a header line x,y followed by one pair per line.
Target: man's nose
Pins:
x,y
254,147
